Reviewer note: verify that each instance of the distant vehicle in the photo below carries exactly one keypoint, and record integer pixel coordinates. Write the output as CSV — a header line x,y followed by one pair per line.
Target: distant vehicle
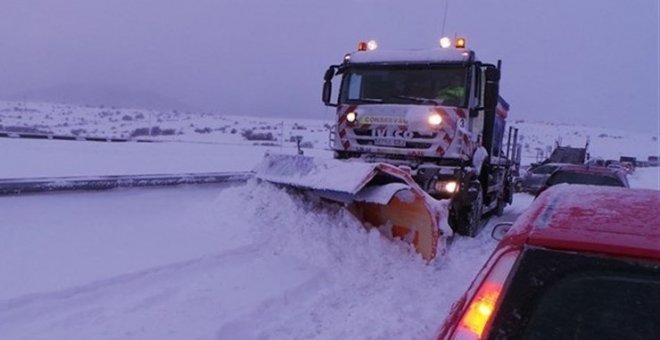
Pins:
x,y
596,162
588,175
567,154
628,163
535,178
632,160
581,263
653,161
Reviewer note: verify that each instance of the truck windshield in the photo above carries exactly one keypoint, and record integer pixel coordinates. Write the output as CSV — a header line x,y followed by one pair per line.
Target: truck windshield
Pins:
x,y
405,85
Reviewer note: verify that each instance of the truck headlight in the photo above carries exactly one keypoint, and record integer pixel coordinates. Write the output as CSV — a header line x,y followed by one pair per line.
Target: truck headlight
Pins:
x,y
446,186
351,117
435,119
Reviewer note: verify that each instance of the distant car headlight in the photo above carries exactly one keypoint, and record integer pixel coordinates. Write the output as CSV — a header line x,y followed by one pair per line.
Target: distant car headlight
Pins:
x,y
435,119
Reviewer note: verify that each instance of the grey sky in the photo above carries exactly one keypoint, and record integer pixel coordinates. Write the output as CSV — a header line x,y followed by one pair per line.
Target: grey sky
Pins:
x,y
585,62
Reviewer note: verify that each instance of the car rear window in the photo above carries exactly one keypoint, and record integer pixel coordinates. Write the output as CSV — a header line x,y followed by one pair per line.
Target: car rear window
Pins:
x,y
583,178
543,170
560,295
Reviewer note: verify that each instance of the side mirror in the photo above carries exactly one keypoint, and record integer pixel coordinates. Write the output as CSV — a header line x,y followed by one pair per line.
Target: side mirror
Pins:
x,y
327,86
500,230
492,89
327,93
492,74
329,73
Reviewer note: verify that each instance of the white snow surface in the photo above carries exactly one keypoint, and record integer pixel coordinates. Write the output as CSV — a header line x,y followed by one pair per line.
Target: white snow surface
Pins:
x,y
247,261
314,173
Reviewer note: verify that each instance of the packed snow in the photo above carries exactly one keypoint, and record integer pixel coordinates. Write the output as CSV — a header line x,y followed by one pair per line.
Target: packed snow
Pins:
x,y
233,261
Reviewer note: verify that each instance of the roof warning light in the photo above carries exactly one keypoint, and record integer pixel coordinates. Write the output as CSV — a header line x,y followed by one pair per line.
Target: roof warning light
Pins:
x,y
460,42
445,42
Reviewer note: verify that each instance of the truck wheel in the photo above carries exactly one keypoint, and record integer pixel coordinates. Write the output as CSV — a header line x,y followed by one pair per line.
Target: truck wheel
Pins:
x,y
468,219
499,210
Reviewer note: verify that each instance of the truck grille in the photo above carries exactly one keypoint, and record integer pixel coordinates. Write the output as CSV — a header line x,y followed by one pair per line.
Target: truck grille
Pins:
x,y
409,145
416,135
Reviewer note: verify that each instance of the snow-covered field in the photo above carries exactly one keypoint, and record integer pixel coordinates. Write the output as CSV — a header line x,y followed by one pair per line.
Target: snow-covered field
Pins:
x,y
537,138
246,261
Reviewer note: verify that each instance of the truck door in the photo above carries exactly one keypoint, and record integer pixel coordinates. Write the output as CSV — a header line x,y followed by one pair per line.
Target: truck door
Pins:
x,y
476,101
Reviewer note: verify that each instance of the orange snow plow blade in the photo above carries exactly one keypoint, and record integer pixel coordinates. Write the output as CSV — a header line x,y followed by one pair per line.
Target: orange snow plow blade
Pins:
x,y
380,195
409,221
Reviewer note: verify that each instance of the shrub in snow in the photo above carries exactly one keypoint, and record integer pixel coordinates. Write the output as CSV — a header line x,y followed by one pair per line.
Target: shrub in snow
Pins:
x,y
139,132
127,118
257,136
78,132
154,131
24,129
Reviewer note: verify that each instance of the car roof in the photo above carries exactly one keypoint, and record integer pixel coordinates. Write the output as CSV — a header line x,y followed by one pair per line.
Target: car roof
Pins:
x,y
594,169
550,164
546,165
608,220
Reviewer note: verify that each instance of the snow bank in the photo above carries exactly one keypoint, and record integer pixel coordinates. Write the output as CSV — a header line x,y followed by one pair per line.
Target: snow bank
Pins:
x,y
647,178
372,287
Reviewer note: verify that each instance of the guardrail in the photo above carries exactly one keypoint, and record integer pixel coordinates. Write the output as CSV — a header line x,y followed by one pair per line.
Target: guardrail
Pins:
x,y
94,183
32,135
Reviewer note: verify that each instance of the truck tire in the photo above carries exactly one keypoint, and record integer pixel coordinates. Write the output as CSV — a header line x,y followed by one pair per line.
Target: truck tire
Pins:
x,y
499,209
467,220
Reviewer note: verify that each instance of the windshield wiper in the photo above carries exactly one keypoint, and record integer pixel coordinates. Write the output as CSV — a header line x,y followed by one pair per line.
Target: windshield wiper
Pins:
x,y
420,100
371,100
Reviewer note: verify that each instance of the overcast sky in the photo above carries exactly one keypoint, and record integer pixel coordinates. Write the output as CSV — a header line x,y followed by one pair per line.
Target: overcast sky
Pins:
x,y
591,62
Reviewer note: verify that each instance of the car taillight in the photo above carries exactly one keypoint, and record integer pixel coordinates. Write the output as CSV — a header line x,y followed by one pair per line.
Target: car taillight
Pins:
x,y
481,308
484,303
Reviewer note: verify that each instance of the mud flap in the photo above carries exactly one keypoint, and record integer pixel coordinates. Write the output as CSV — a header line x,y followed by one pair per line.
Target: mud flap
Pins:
x,y
380,195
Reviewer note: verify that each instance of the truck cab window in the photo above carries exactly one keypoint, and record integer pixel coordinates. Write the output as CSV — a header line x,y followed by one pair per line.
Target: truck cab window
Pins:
x,y
396,85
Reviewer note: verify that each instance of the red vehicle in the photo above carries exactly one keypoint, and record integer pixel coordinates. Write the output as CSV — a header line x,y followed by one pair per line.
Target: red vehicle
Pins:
x,y
582,263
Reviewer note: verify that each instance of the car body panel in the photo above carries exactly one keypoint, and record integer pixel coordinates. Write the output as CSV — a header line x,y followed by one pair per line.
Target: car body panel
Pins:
x,y
592,220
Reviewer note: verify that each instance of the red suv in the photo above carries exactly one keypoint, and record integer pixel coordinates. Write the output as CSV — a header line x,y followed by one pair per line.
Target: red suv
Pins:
x,y
582,263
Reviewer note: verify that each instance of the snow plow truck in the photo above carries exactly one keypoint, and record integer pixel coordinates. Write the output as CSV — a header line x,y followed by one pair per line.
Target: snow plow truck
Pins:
x,y
419,133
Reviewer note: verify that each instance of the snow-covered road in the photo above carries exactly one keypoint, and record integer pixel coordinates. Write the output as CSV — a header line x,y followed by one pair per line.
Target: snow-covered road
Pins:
x,y
215,263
